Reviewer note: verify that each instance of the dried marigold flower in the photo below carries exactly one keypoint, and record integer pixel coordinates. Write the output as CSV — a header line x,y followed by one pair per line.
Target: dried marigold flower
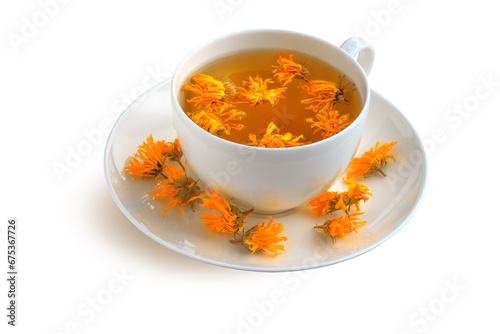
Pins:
x,y
353,196
287,70
256,91
262,236
325,94
324,202
355,193
331,201
230,89
174,152
330,123
208,91
371,161
339,226
272,138
177,188
208,122
230,219
220,120
150,157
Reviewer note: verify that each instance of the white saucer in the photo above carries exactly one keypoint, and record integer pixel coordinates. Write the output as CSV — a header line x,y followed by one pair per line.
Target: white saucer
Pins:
x,y
395,197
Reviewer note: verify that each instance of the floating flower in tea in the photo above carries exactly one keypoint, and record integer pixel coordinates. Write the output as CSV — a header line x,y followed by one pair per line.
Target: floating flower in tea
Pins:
x,y
287,70
325,94
256,91
220,120
272,139
329,123
209,92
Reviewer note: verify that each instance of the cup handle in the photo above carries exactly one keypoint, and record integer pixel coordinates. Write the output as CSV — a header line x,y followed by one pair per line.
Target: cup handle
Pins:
x,y
356,45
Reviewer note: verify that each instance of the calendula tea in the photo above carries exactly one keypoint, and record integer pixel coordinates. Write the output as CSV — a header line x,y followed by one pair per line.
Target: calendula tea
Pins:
x,y
271,98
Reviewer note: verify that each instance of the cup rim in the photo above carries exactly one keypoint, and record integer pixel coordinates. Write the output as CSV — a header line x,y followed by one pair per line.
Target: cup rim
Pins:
x,y
296,149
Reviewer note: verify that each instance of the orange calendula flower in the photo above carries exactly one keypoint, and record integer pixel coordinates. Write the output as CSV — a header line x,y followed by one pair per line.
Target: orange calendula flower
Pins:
x,y
265,236
208,91
217,121
371,161
329,123
177,188
150,157
174,152
230,219
324,202
353,196
339,226
287,70
331,201
355,193
325,94
272,138
256,91
230,89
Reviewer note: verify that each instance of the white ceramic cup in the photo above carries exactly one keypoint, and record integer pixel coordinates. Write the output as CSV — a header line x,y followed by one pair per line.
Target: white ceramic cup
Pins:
x,y
272,179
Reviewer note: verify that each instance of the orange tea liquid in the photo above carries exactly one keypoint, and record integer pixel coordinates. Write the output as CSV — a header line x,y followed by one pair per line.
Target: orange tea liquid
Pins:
x,y
288,114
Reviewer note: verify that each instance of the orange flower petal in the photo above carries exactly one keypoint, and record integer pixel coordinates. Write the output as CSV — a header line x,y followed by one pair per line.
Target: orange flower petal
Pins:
x,y
339,226
287,70
370,161
262,236
256,91
207,91
177,188
226,221
150,157
272,139
329,123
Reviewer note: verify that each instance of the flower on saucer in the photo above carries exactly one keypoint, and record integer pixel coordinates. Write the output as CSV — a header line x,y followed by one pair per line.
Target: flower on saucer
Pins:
x,y
177,188
371,161
230,219
150,158
174,152
355,193
325,94
208,91
324,203
339,226
272,138
331,201
265,236
287,70
330,123
256,91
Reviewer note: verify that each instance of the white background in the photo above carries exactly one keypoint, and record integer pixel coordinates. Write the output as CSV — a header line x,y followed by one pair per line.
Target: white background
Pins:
x,y
78,69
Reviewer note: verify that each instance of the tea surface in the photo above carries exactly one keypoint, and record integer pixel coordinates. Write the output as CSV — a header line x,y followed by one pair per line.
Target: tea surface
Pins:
x,y
288,114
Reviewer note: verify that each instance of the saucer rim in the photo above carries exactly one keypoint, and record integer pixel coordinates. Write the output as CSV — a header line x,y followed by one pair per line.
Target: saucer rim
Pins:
x,y
374,95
